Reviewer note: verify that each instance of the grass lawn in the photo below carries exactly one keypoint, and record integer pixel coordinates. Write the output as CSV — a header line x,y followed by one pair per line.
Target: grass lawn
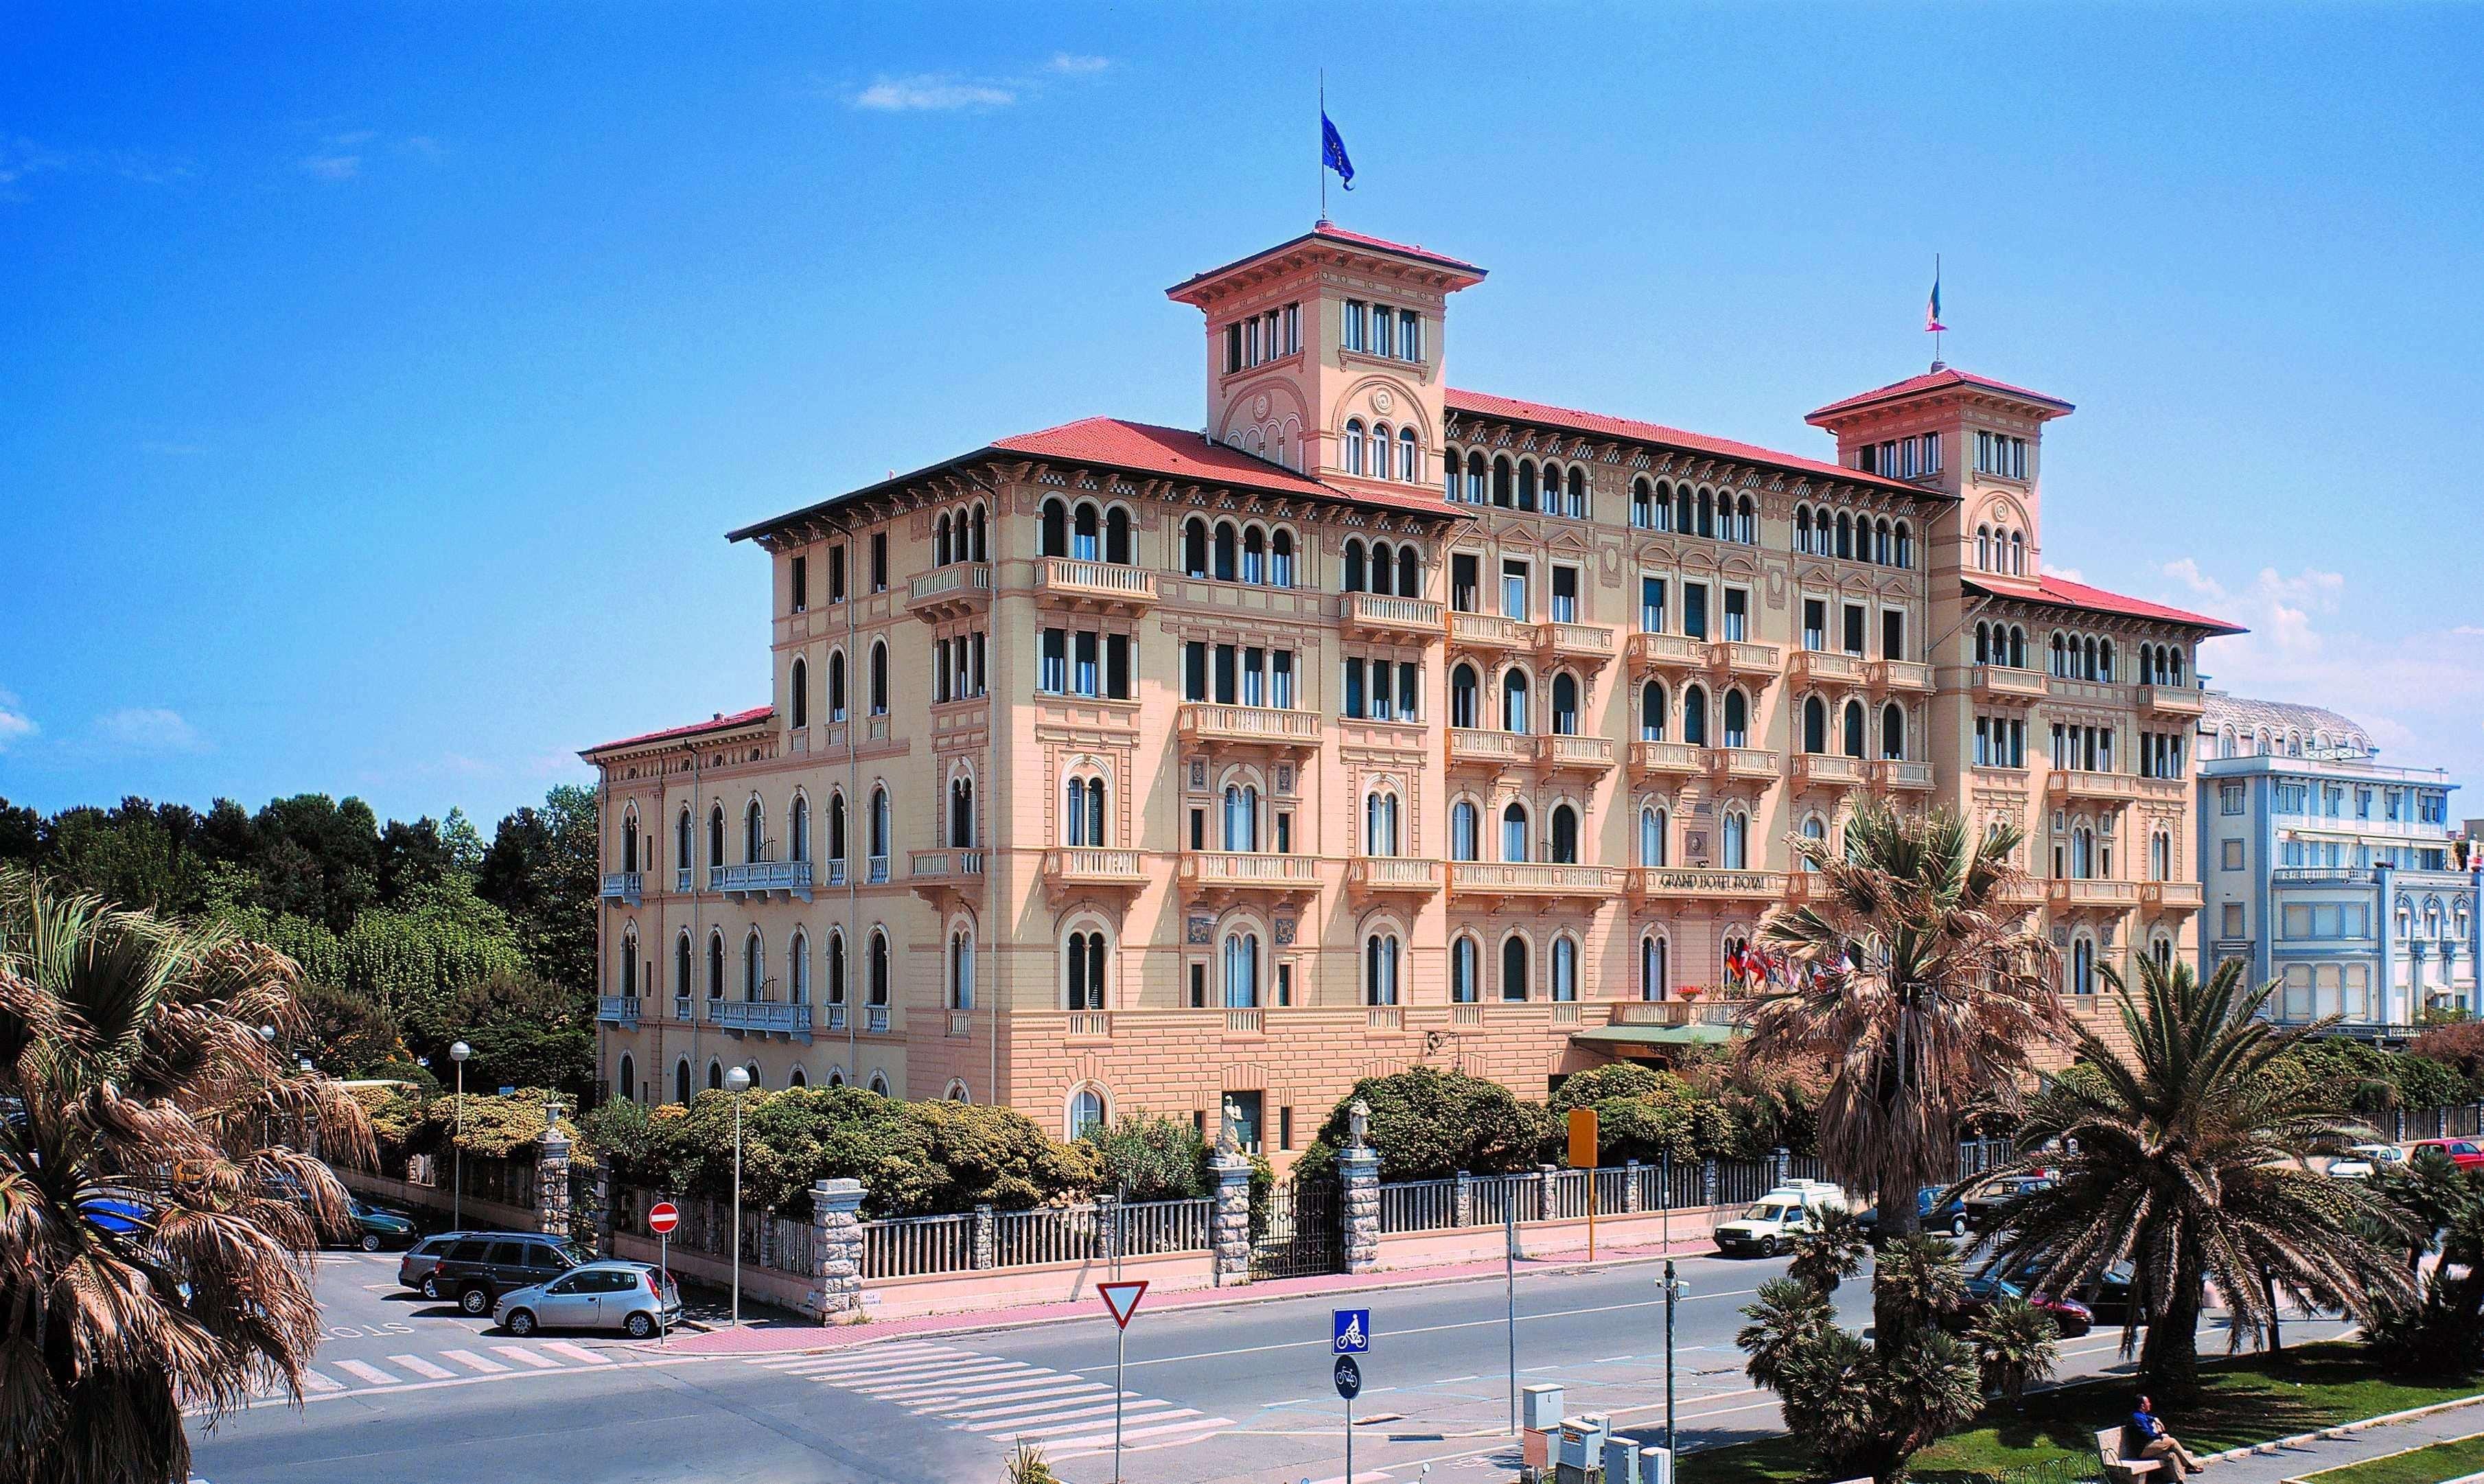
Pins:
x,y
2451,1460
2249,1399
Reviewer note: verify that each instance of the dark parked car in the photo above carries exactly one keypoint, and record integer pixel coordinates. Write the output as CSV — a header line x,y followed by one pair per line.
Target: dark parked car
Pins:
x,y
1987,1207
2107,1296
2073,1318
419,1268
376,1228
1931,1214
477,1269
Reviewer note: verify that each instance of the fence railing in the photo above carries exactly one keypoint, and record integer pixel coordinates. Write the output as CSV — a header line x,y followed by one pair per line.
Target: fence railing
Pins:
x,y
918,1245
1561,1195
910,1245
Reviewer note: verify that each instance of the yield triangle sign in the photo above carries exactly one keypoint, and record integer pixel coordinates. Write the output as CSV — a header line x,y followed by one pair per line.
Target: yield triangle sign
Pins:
x,y
1122,1298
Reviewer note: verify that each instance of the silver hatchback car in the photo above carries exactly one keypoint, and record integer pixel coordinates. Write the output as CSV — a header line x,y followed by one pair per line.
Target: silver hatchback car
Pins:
x,y
634,1298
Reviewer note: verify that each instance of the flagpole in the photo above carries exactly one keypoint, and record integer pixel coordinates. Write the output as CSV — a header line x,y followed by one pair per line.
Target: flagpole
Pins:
x,y
1937,333
1321,155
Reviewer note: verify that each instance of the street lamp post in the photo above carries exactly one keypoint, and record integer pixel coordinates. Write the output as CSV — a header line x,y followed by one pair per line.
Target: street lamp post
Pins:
x,y
737,1082
458,1053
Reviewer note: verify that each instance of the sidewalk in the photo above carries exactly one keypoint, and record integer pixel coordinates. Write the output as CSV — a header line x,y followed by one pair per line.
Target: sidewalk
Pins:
x,y
2335,1447
784,1337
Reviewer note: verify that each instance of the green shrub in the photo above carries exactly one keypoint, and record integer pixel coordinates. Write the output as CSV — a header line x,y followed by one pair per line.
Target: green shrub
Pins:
x,y
1148,1156
1428,1124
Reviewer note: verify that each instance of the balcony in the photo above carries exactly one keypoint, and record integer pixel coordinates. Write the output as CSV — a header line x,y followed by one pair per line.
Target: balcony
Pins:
x,y
1204,724
1664,759
1702,1011
1384,1018
2091,896
2172,701
832,1017
1089,1025
621,1009
623,886
681,879
1380,616
1087,868
1653,884
1243,1021
949,592
875,1019
2078,783
764,1018
1583,644
1094,586
1826,770
1889,774
937,875
1665,652
1490,633
1736,656
1391,876
1474,747
1750,765
2003,684
762,878
1238,873
2169,896
1898,675
1533,881
1820,667
1577,754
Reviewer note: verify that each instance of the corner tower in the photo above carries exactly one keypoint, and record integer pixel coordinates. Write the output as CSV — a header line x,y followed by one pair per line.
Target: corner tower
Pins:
x,y
1320,349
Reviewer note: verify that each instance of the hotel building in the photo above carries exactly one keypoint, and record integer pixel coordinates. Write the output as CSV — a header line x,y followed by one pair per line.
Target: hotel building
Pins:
x,y
1116,767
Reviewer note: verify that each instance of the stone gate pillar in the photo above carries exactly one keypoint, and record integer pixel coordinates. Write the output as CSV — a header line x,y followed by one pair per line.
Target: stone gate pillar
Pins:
x,y
836,1247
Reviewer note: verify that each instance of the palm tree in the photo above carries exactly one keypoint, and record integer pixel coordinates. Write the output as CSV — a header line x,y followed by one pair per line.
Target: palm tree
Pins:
x,y
2016,1344
2185,1156
156,1246
1919,987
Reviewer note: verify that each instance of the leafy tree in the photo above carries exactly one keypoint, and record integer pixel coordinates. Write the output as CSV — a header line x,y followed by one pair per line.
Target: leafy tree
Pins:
x,y
21,834
1149,1156
1428,1124
346,1035
319,858
128,1043
2185,1156
541,870
411,856
522,1031
1614,1079
2440,1330
2016,1344
463,841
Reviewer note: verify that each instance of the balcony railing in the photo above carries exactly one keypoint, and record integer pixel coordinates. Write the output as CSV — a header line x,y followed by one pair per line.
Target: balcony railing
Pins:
x,y
2107,894
1586,643
875,870
1473,745
760,877
1738,657
682,879
1681,883
1594,754
1667,651
1821,667
2007,683
2117,788
1373,875
1532,880
1381,613
832,1017
875,1019
1490,630
1900,675
2169,896
1240,870
1756,763
617,1009
1087,865
1094,584
953,870
1827,770
2172,700
1705,1011
1384,1018
947,592
1897,773
1649,758
1239,1021
1251,725
623,886
762,1016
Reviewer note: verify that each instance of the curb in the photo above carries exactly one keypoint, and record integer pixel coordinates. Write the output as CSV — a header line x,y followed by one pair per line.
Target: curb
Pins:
x,y
2342,1430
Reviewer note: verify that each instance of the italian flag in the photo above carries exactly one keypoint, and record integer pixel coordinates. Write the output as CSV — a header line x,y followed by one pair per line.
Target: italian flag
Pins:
x,y
1932,311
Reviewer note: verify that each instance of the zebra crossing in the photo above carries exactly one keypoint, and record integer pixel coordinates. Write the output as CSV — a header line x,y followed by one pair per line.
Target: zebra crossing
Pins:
x,y
1003,1399
482,1361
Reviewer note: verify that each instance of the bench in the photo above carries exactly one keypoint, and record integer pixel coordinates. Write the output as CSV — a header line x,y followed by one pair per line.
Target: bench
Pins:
x,y
2119,1469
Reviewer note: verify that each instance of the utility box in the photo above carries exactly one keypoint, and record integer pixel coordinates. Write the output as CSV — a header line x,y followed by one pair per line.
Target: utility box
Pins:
x,y
1539,1406
1628,1463
1581,1459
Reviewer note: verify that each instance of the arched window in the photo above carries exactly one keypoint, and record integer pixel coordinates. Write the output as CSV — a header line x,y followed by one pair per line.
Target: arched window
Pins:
x,y
1356,578
2017,553
1409,457
798,692
1380,969
797,1078
1694,715
1983,548
1086,532
1052,538
1737,835
681,1080
1578,494
1893,731
1655,979
1382,576
714,837
754,831
2083,965
982,552
2017,647
2082,853
1880,542
1086,1113
1462,698
1464,830
836,967
1707,513
961,969
1651,836
836,685
879,1083
1241,816
1228,551
1565,968
681,962
1504,492
1565,704
1465,974
1565,835
1082,971
1983,644
1254,556
681,840
875,969
1082,811
755,966
1845,535
1681,507
1814,829
1380,824
797,829
1117,536
1525,484
882,828
1815,725
1513,968
1280,559
1746,522
1906,545
879,678
1737,719
1643,511
1651,711
1241,970
1410,571
629,963
1476,478
1853,729
961,812
1514,843
1354,441
716,964
1194,547
836,837
1513,700
2160,857
715,1075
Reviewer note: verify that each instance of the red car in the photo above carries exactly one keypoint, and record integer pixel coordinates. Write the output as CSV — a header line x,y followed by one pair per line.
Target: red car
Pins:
x,y
2465,1154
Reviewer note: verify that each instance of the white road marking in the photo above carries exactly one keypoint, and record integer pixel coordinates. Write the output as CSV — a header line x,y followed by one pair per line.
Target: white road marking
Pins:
x,y
577,1353
1077,1418
917,1370
842,1359
313,1381
525,1357
366,1372
473,1361
1067,1447
925,1385
1437,1329
421,1367
1452,1380
1059,1393
981,1390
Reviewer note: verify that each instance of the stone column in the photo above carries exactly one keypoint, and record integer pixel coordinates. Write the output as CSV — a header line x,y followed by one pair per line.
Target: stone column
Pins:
x,y
1229,1220
1108,1229
836,1246
552,1181
1708,1182
1466,1198
1357,1180
599,1214
1631,1203
983,1258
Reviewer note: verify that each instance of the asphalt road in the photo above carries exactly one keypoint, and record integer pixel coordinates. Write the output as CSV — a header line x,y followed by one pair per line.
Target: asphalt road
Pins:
x,y
413,1392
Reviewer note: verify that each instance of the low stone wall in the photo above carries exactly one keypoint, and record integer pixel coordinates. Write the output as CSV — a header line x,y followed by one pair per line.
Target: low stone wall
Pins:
x,y
1541,1239
477,1213
952,1293
785,1290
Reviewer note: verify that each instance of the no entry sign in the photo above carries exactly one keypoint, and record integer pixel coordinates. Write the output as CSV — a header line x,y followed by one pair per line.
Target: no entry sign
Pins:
x,y
662,1217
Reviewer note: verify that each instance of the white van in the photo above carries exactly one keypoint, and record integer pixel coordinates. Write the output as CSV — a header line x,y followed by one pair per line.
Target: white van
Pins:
x,y
1773,1221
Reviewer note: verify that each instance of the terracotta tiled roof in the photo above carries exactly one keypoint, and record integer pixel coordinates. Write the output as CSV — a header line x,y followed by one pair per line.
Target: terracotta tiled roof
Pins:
x,y
2062,593
720,722
1329,232
1946,376
1482,404
1336,234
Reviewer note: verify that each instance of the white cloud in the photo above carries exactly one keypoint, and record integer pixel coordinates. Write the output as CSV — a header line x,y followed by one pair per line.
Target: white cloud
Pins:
x,y
148,729
332,167
1075,65
2067,573
931,92
15,726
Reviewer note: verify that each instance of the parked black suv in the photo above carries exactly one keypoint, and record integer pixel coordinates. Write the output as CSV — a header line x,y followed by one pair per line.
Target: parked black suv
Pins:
x,y
479,1268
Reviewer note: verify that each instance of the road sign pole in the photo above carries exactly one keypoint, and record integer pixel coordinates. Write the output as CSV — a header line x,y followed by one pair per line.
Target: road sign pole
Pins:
x,y
1509,1277
1349,1440
1669,1444
1120,1350
664,1275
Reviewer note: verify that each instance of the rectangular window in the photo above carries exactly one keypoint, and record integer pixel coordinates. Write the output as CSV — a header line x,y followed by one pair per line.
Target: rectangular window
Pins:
x,y
836,574
1116,666
1383,330
1053,674
879,561
1892,634
1199,830
1293,329
1465,578
1358,316
1280,679
1410,346
1284,834
1815,623
1233,347
1651,604
1513,589
1086,676
1932,453
802,583
1738,614
1409,682
1284,1113
1254,677
1193,671
1354,687
1983,742
1694,610
1225,687
2230,798
2229,856
1198,1001
2233,926
1565,595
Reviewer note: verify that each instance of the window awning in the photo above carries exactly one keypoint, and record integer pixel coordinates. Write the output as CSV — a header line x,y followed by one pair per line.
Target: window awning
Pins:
x,y
1612,1037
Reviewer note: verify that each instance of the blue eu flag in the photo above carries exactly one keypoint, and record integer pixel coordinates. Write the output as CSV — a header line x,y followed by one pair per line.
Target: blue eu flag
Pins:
x,y
1332,151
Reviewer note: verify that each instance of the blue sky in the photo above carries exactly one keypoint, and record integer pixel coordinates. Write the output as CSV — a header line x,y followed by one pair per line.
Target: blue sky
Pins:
x,y
379,382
